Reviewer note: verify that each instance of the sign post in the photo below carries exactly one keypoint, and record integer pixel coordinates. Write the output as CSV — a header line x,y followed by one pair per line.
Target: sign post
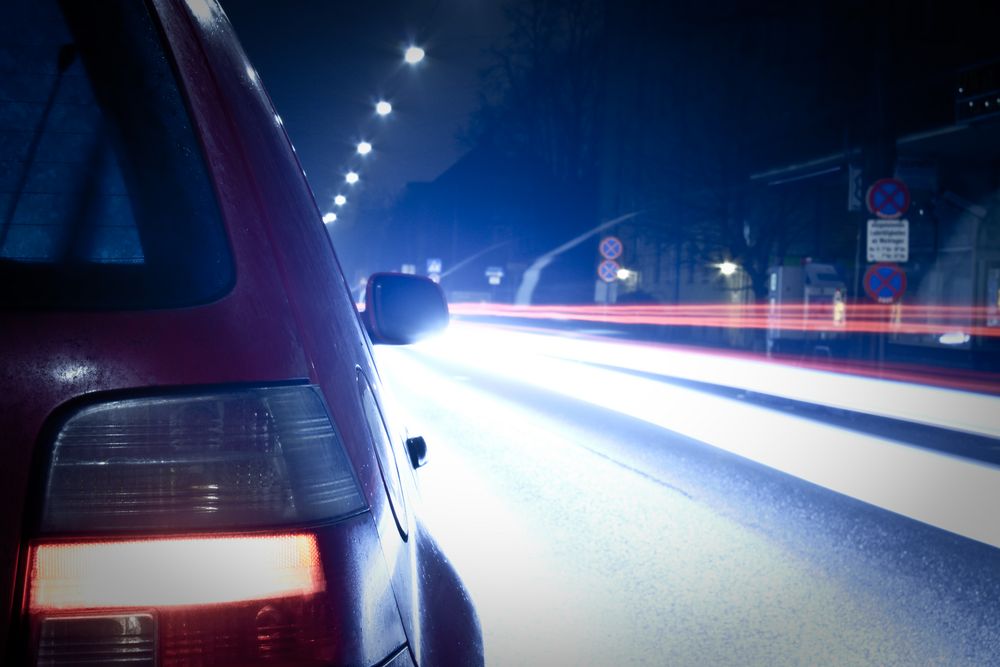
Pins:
x,y
887,240
606,288
434,269
888,233
494,274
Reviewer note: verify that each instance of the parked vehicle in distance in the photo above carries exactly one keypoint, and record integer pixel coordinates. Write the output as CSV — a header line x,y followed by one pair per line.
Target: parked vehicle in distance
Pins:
x,y
198,465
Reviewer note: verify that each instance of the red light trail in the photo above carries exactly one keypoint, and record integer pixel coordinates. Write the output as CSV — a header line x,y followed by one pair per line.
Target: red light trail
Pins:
x,y
855,318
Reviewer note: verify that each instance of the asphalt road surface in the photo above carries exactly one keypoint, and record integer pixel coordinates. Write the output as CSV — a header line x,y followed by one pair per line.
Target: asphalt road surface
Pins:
x,y
606,514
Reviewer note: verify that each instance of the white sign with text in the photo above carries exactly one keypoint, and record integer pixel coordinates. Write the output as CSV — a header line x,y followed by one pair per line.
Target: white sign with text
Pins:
x,y
888,240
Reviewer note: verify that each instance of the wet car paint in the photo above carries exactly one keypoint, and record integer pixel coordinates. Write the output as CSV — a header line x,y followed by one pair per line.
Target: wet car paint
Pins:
x,y
289,316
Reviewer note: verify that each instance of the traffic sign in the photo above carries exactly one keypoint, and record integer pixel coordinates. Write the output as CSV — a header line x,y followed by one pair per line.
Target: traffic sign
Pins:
x,y
433,265
610,247
888,198
885,283
855,188
608,270
888,240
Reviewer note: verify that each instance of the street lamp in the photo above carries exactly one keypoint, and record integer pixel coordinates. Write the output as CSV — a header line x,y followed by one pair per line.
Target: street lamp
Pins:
x,y
329,218
383,108
624,274
351,177
364,148
413,55
727,268
340,200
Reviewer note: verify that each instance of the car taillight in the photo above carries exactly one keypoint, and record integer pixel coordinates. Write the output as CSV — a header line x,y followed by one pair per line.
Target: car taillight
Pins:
x,y
173,572
194,601
249,458
161,538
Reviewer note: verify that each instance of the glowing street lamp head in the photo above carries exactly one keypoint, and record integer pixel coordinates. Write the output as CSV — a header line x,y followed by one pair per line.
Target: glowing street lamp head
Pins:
x,y
413,55
364,148
624,274
383,108
351,177
330,217
340,200
727,268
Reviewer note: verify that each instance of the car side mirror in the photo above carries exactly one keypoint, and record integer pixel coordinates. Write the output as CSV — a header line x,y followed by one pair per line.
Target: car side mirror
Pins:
x,y
402,308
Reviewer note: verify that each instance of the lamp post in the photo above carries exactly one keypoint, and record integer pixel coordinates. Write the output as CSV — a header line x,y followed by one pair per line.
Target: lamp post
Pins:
x,y
727,268
413,55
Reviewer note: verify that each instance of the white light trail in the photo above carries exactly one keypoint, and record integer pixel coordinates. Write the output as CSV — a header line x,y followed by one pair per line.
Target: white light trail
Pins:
x,y
933,406
939,489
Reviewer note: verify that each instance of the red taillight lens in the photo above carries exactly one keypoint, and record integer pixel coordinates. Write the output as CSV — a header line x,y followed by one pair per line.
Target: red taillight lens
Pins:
x,y
207,472
234,600
162,573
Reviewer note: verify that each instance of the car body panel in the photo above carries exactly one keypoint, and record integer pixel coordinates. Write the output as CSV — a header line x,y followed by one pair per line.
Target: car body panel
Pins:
x,y
289,316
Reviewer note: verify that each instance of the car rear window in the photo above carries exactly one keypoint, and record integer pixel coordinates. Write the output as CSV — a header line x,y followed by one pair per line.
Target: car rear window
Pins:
x,y
105,200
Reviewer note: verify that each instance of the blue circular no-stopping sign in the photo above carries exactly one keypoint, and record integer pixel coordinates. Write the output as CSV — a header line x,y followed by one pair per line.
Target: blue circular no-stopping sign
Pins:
x,y
608,270
610,247
888,198
885,283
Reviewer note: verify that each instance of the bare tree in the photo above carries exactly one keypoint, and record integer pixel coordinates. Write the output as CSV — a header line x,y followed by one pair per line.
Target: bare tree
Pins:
x,y
541,94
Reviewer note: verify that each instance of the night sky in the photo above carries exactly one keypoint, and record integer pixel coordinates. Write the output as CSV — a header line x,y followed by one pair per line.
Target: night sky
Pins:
x,y
325,63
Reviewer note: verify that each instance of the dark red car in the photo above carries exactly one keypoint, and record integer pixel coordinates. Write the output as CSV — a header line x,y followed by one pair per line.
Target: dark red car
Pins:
x,y
197,465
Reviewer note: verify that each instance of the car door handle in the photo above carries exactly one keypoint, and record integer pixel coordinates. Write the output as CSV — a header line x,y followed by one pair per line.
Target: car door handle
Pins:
x,y
416,447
